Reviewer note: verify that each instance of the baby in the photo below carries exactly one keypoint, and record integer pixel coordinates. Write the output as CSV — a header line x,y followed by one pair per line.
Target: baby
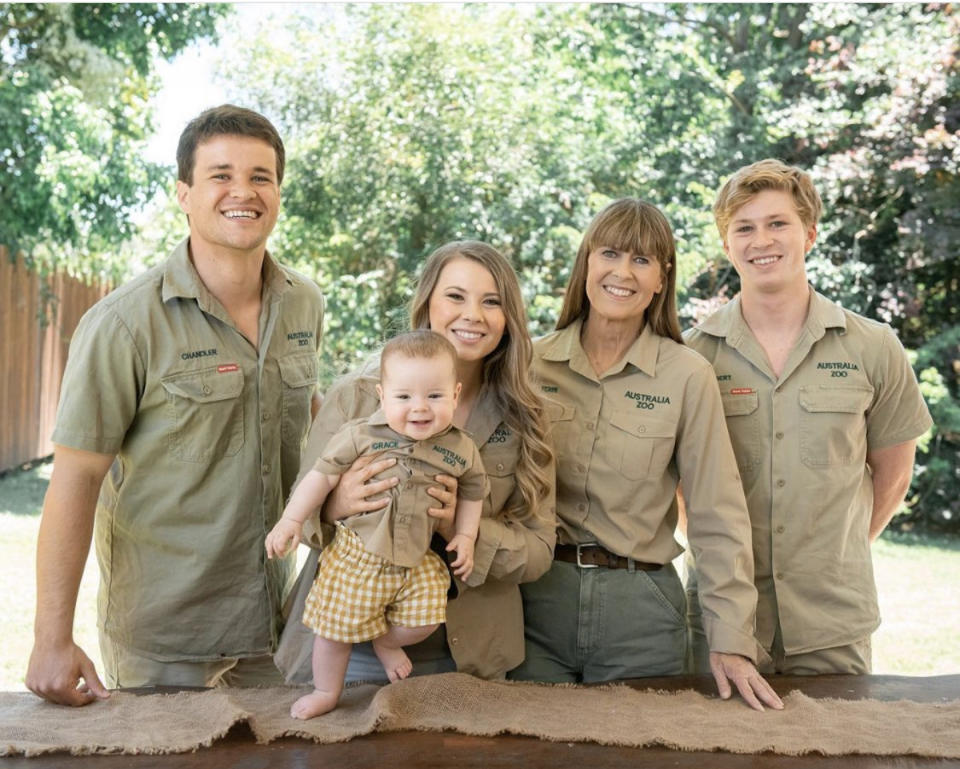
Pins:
x,y
379,580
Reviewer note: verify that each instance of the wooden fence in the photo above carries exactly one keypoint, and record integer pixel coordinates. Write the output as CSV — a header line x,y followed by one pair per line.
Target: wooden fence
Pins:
x,y
33,355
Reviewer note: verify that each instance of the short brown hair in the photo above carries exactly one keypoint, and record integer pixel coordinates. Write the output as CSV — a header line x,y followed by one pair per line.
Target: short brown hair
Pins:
x,y
422,344
225,120
633,225
768,174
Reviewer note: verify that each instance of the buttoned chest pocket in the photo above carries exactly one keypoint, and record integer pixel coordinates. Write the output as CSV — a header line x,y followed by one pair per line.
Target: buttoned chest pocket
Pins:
x,y
500,465
206,411
743,424
833,425
641,445
298,374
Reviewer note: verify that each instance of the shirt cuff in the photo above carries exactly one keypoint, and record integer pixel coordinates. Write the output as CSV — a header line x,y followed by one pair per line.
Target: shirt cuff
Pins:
x,y
724,639
488,543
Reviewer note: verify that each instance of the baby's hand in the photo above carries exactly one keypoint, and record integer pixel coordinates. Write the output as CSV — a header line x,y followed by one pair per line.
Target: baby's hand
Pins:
x,y
463,564
283,538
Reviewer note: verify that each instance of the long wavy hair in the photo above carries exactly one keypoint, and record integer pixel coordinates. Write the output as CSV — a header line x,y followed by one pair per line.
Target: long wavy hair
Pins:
x,y
628,224
506,370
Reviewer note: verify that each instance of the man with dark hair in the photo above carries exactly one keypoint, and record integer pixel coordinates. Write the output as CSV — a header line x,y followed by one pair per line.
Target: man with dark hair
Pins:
x,y
187,395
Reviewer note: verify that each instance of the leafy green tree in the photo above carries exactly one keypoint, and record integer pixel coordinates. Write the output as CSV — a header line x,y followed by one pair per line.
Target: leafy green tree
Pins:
x,y
75,81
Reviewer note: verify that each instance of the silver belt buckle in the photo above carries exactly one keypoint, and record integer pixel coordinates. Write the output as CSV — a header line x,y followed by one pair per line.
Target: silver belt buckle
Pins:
x,y
580,563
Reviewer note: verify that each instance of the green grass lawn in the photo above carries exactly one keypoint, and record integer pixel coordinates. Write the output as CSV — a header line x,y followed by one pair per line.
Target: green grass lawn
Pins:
x,y
918,579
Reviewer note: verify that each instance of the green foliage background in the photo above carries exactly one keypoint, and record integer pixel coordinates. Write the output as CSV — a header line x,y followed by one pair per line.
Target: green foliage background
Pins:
x,y
410,125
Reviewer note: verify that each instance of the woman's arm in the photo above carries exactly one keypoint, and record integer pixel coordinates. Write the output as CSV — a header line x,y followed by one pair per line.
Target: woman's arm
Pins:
x,y
518,551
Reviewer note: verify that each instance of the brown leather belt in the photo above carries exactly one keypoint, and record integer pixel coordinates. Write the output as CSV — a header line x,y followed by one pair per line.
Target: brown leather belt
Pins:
x,y
592,555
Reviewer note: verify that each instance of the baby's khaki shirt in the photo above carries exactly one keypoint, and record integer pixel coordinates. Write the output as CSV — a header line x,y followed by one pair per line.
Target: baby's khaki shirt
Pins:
x,y
401,532
207,431
624,441
484,621
801,442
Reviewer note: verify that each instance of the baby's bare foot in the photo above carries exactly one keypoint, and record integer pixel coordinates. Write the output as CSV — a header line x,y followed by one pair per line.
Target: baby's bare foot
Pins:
x,y
395,661
314,704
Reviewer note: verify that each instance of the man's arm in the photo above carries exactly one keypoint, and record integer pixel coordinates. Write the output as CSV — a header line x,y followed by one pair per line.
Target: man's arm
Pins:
x,y
57,664
892,469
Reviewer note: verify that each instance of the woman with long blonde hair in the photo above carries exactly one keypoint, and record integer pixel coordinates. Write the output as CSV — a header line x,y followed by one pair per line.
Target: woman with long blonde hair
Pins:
x,y
468,293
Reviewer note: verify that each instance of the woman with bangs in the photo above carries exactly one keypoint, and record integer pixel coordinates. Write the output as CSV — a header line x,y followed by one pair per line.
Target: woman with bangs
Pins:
x,y
639,414
468,293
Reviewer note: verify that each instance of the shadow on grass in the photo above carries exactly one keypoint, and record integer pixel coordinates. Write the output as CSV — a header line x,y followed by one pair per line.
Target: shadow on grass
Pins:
x,y
22,491
922,539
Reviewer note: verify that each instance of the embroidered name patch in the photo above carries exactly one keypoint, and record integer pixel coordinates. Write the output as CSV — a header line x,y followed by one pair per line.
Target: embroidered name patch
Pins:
x,y
500,435
381,445
742,391
647,401
198,354
227,367
837,368
450,457
303,337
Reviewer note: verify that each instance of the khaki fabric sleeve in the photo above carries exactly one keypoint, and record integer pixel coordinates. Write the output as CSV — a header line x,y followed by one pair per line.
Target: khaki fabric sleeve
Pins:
x,y
346,400
473,484
518,551
898,412
102,384
340,452
718,525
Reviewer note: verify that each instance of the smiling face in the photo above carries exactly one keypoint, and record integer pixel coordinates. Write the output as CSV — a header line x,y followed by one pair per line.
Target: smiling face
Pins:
x,y
418,395
621,284
767,243
235,198
466,308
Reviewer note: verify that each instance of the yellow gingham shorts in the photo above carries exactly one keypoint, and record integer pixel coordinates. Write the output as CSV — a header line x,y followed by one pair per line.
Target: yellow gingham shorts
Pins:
x,y
357,594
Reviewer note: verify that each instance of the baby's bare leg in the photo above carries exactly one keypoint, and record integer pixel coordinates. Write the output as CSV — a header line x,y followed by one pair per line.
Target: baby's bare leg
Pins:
x,y
389,648
329,667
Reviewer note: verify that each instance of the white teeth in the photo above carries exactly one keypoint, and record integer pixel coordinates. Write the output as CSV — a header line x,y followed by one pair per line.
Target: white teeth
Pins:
x,y
765,260
468,335
241,214
617,291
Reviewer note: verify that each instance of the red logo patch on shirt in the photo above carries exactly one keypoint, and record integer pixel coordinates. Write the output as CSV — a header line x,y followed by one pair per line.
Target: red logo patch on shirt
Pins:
x,y
227,367
742,391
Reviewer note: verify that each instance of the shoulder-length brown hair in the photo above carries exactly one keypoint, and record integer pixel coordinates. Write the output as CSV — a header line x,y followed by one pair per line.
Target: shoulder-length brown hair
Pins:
x,y
633,225
506,370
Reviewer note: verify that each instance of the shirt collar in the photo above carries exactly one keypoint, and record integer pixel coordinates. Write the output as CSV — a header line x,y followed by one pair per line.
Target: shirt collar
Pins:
x,y
566,346
182,281
379,419
728,321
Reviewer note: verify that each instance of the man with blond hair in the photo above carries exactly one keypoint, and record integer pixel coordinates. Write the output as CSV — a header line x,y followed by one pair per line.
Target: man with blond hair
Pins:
x,y
823,410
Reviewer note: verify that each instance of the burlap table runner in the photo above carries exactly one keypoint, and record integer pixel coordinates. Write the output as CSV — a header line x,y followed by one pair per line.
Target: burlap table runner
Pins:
x,y
609,715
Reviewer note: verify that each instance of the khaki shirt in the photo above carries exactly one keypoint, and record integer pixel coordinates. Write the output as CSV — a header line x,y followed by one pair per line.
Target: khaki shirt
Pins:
x,y
623,442
801,443
484,622
207,432
401,532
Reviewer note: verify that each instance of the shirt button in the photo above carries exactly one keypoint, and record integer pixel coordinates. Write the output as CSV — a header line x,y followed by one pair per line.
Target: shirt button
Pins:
x,y
779,575
589,425
266,469
779,529
581,469
581,507
264,416
781,483
207,390
500,465
779,435
454,641
643,429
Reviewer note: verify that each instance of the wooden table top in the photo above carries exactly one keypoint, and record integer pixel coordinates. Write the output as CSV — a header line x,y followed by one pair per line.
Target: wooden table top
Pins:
x,y
448,750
